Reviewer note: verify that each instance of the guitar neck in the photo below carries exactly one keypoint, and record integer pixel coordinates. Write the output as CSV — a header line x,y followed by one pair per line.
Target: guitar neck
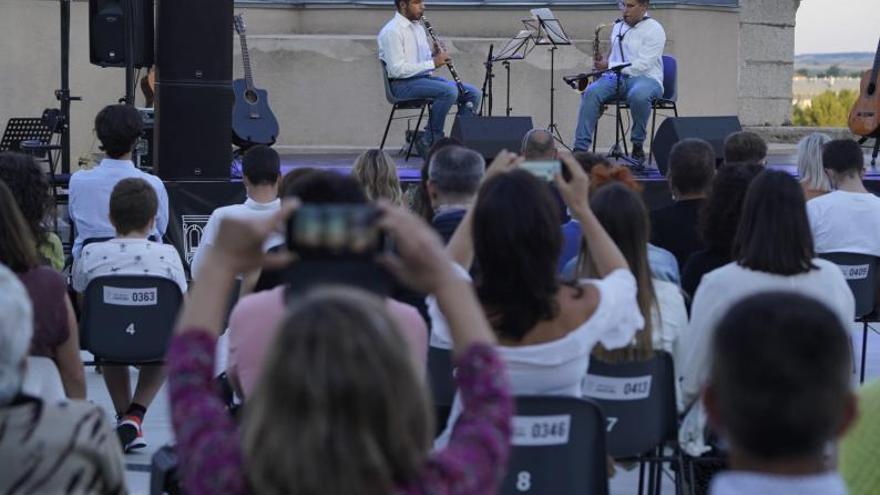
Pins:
x,y
246,59
876,69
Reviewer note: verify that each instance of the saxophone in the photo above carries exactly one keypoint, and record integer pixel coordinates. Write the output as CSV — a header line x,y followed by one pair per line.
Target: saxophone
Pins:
x,y
579,82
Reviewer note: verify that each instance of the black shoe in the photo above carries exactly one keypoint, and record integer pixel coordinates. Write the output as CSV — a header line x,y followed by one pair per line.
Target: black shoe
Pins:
x,y
638,154
421,147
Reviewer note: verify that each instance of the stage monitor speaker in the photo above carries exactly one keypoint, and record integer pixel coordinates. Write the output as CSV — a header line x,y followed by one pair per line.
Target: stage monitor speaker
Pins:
x,y
194,40
489,135
674,129
107,32
193,131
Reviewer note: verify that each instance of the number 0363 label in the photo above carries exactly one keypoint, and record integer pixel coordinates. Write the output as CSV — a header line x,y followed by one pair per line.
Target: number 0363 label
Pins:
x,y
119,296
532,431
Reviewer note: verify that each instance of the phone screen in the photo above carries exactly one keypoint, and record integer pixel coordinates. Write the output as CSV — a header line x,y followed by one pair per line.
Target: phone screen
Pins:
x,y
334,230
543,169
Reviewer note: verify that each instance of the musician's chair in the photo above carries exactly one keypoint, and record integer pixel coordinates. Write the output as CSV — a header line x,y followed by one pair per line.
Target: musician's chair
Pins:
x,y
402,104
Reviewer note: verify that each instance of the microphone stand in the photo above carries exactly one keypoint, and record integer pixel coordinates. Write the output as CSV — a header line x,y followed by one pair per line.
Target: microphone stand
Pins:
x,y
487,85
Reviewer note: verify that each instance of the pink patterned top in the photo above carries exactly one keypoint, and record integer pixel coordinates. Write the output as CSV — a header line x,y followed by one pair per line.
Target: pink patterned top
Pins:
x,y
209,446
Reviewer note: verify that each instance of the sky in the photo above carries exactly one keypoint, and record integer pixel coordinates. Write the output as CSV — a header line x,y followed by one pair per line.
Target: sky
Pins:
x,y
828,26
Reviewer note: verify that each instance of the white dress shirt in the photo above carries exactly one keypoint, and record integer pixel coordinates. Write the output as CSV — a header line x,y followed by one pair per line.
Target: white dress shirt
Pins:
x,y
404,47
249,210
718,291
749,483
560,366
90,199
642,47
128,257
845,222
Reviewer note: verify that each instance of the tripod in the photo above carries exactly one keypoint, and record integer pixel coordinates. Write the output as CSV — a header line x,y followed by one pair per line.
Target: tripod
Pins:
x,y
552,128
487,86
549,31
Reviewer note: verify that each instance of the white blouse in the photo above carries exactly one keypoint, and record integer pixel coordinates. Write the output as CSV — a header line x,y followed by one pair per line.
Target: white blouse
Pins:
x,y
558,367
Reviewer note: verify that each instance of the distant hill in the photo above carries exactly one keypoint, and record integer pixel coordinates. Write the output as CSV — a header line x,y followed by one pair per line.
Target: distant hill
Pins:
x,y
848,62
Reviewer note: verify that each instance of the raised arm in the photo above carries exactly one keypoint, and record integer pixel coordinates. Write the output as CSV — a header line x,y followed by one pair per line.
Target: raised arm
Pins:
x,y
575,193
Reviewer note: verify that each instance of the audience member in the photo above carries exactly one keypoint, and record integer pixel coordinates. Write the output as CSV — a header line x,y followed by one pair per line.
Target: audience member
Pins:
x,y
546,329
539,144
779,393
623,215
661,262
55,331
812,174
846,220
133,206
417,197
691,169
858,450
454,176
377,174
340,407
719,219
253,324
118,128
745,147
261,173
47,447
28,184
773,250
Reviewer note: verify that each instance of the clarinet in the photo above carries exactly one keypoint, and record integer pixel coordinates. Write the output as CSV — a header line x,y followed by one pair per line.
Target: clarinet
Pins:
x,y
462,92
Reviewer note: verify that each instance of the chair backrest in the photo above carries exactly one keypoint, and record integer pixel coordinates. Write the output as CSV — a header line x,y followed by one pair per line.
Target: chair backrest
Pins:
x,y
859,271
388,94
670,78
557,447
638,401
43,380
129,318
441,376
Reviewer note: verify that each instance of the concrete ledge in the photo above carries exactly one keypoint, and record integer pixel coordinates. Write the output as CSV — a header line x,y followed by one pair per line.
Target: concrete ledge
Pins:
x,y
791,135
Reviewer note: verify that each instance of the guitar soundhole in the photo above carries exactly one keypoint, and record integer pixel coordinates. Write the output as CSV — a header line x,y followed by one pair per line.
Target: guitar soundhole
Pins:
x,y
251,97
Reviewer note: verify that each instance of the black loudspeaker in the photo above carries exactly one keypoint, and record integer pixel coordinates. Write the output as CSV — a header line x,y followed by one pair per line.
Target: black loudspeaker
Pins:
x,y
107,32
194,40
193,133
489,135
674,129
193,130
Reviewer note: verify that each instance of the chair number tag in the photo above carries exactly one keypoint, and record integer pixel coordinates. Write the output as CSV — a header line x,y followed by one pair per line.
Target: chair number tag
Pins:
x,y
854,272
534,431
120,296
614,388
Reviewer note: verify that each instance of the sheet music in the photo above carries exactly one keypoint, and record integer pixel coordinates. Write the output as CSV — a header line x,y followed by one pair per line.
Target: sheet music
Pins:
x,y
516,47
553,31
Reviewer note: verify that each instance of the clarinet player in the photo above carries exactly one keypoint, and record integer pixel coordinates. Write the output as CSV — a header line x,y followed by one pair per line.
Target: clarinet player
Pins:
x,y
636,39
410,61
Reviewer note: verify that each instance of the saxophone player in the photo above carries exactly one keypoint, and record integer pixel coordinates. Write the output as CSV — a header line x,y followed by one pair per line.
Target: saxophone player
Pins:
x,y
410,61
639,40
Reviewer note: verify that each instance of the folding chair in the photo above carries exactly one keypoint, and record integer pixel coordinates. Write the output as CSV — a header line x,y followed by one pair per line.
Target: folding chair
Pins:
x,y
441,378
401,104
129,319
558,448
638,401
860,271
668,101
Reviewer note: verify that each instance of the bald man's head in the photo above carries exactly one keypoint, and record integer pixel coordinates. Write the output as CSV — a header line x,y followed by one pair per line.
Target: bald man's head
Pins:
x,y
538,144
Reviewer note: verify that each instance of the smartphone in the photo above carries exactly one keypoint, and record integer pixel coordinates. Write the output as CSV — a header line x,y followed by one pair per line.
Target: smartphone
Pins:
x,y
335,231
543,169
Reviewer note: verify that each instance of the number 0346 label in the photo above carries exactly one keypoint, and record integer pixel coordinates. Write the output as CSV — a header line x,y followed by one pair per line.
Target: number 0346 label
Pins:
x,y
532,431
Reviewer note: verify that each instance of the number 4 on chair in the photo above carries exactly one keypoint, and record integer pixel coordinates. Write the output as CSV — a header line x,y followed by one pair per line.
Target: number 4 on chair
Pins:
x,y
130,329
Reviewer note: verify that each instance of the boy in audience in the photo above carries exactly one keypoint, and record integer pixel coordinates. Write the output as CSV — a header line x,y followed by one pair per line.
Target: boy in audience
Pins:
x,y
454,175
261,168
745,147
779,393
133,206
691,170
118,128
847,219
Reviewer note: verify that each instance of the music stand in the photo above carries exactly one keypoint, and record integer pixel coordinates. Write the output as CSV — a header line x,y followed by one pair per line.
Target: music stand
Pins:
x,y
547,30
516,49
24,129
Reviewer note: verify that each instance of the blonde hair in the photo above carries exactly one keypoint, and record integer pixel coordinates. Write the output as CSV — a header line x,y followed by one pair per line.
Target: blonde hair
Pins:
x,y
809,162
377,174
340,408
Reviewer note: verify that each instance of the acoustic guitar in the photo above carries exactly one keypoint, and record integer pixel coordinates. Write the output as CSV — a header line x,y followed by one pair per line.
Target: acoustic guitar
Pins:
x,y
252,120
864,119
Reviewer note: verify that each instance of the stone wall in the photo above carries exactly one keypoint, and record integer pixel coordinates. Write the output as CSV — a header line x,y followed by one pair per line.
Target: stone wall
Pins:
x,y
766,61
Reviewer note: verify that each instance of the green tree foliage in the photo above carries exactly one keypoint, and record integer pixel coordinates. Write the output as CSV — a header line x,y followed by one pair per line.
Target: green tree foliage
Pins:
x,y
834,71
828,109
